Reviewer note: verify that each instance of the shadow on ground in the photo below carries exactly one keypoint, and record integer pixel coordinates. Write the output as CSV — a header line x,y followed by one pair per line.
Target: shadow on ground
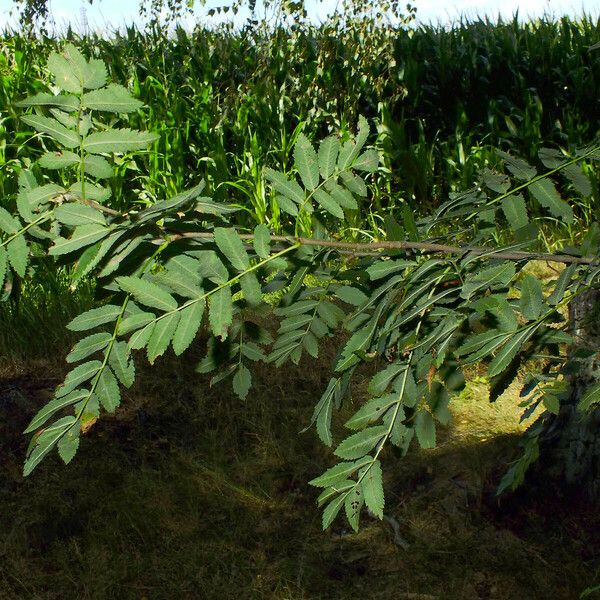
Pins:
x,y
188,492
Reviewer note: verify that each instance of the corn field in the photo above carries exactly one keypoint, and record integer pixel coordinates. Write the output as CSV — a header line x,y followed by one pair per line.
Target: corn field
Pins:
x,y
226,103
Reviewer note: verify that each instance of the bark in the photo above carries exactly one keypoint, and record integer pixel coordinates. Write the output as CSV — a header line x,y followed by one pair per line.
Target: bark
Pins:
x,y
571,448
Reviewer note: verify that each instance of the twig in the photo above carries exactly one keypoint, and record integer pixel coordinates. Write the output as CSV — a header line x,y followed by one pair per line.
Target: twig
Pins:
x,y
425,246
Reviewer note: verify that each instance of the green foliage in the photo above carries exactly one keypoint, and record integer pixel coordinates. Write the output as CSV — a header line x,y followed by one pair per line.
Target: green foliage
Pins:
x,y
419,319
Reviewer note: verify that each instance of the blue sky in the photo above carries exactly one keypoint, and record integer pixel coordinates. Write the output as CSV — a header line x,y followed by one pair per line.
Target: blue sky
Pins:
x,y
104,14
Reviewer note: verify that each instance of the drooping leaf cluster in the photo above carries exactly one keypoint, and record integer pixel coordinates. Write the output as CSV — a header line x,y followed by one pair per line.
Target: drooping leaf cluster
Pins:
x,y
179,267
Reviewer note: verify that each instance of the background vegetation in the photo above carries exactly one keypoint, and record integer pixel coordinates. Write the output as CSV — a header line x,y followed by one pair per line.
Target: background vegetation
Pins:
x,y
228,102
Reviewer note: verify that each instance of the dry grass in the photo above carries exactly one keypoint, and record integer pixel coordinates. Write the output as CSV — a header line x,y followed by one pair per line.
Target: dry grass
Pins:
x,y
189,493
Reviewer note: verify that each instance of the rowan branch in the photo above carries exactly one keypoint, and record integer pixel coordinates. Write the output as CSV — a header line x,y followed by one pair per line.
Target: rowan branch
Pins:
x,y
373,247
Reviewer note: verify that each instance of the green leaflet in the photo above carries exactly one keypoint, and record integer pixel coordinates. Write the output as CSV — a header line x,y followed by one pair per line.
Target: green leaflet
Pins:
x,y
68,444
220,312
3,265
83,235
328,203
381,381
97,166
372,411
88,409
242,380
140,338
383,268
372,487
515,211
310,344
287,206
351,295
91,257
68,103
119,361
551,403
328,153
185,267
425,429
113,98
479,340
46,441
330,313
77,376
262,241
353,505
347,151
495,181
92,192
284,186
354,183
88,346
550,158
491,277
74,214
158,210
206,206
229,243
251,289
341,195
339,473
95,317
107,390
357,343
368,161
561,285
531,302
73,73
8,223
590,398
147,293
180,283
59,133
509,350
117,141
306,163
297,308
162,335
545,193
323,410
253,352
120,253
293,323
187,328
332,510
58,160
18,255
517,166
331,492
211,267
351,149
580,182
64,118
53,407
359,444
135,321
438,401
500,309
319,328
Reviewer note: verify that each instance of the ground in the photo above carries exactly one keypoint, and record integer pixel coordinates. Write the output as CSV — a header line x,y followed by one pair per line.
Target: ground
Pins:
x,y
187,492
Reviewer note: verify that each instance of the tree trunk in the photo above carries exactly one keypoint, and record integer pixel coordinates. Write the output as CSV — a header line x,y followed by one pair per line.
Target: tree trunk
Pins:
x,y
571,448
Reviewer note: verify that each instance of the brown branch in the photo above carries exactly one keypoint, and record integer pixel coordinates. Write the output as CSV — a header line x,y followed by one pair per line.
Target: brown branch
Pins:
x,y
425,246
101,208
